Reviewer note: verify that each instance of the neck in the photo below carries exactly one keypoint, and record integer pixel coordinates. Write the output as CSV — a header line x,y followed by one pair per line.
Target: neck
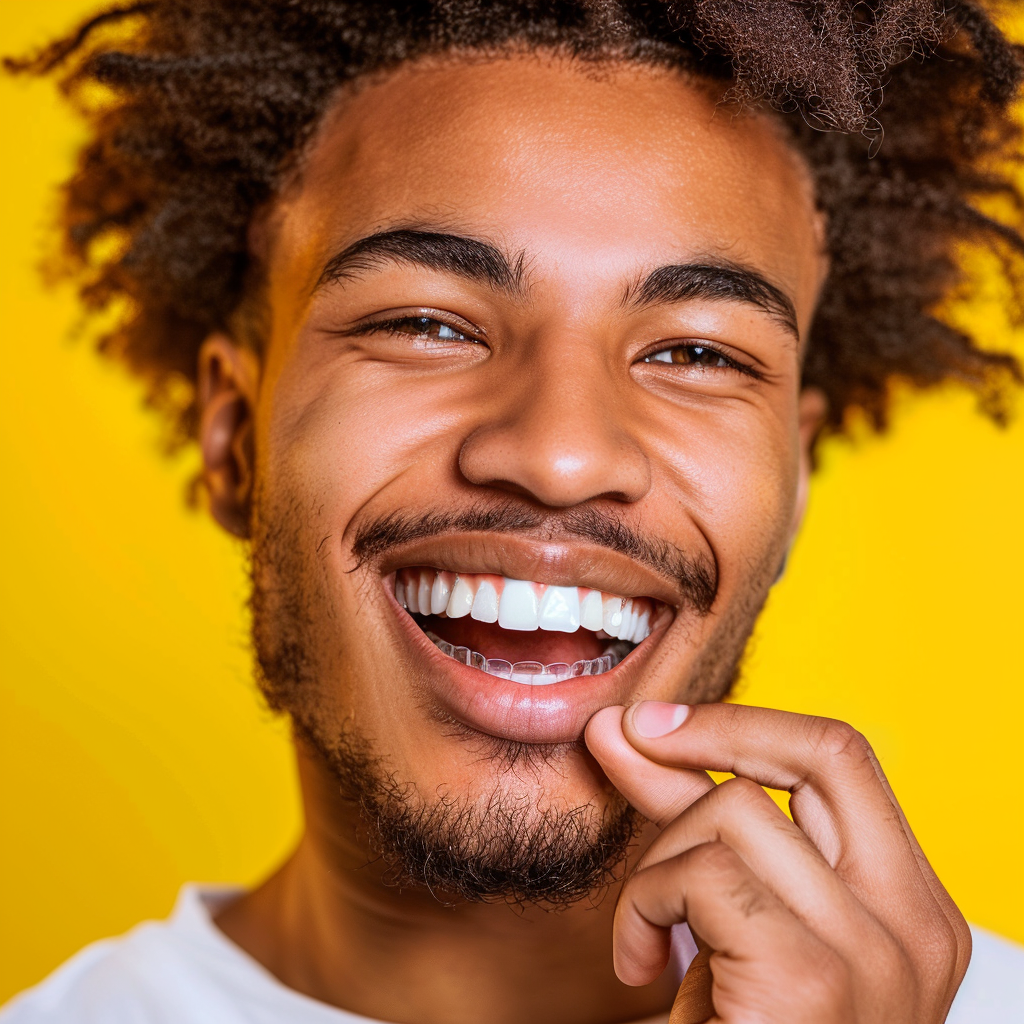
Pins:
x,y
327,925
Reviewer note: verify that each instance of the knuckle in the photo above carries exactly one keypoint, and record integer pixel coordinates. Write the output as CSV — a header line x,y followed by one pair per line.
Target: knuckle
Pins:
x,y
749,899
839,741
741,790
717,865
714,858
949,938
947,949
728,718
963,943
960,940
743,796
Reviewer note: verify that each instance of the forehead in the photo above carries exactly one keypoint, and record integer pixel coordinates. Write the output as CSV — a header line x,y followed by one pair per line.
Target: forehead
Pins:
x,y
606,166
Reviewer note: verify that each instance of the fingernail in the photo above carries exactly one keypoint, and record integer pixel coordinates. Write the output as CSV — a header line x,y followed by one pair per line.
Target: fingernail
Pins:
x,y
653,718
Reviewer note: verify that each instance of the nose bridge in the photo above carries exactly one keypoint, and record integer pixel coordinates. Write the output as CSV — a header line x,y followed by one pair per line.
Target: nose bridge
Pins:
x,y
558,430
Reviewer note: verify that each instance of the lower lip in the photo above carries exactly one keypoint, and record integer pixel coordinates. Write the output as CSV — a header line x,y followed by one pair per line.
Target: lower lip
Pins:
x,y
553,713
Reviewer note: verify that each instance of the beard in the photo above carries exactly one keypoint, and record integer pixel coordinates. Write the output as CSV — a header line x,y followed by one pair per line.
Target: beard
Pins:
x,y
502,848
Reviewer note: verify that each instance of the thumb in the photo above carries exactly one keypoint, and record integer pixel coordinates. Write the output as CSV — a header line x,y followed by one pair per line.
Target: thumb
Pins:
x,y
659,792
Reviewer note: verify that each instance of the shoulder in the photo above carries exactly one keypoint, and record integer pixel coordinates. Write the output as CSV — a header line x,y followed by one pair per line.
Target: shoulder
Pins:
x,y
115,980
993,990
153,974
169,972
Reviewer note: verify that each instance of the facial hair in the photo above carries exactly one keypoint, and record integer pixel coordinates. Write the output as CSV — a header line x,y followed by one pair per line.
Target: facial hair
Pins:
x,y
500,849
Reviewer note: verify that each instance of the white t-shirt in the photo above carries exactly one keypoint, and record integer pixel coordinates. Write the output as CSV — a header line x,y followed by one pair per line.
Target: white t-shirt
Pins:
x,y
186,971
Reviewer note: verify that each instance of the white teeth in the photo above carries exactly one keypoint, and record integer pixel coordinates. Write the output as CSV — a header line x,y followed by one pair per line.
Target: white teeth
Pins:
x,y
523,605
630,616
560,609
643,628
412,587
485,604
518,608
591,616
440,592
423,594
635,624
461,601
623,630
612,615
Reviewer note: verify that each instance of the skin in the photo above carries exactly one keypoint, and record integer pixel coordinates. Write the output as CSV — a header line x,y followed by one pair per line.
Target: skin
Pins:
x,y
546,402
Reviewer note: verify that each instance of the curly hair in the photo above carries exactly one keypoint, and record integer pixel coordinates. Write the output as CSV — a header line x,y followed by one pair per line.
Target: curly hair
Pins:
x,y
205,105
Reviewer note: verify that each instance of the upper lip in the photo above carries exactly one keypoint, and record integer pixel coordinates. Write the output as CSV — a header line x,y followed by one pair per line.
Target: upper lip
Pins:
x,y
571,563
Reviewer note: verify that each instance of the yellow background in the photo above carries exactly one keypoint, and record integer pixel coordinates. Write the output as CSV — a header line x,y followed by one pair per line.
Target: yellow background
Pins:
x,y
135,753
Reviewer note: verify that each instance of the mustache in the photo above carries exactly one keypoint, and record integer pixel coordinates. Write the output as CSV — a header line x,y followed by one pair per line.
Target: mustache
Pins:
x,y
695,575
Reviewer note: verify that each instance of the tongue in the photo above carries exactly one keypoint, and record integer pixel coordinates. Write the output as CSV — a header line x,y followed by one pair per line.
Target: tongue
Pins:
x,y
490,640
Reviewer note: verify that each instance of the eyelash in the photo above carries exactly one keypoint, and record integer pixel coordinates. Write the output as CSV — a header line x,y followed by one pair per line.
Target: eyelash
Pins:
x,y
727,362
395,325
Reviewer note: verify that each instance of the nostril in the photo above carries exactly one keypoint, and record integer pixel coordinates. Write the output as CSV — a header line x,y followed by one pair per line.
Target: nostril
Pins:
x,y
557,468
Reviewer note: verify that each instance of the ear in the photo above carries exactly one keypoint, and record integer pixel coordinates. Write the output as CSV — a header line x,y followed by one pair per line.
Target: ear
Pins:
x,y
228,385
812,408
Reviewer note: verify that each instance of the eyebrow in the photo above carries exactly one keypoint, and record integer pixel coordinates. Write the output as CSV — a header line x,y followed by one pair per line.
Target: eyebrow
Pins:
x,y
480,261
718,281
466,257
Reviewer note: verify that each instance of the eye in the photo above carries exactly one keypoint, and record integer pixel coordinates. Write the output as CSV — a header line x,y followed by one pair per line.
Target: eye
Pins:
x,y
702,356
690,355
425,327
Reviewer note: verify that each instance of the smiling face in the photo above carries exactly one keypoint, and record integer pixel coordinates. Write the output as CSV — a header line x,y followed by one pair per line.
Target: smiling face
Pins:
x,y
529,438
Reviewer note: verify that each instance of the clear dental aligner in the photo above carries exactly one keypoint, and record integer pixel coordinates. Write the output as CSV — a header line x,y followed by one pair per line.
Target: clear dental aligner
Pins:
x,y
522,604
532,673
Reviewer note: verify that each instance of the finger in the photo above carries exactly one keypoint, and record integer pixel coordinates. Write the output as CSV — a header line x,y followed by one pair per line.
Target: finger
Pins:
x,y
839,796
693,1003
692,810
716,893
740,814
957,931
658,792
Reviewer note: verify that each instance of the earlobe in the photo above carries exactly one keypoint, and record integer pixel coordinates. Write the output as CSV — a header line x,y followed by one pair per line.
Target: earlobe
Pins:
x,y
227,387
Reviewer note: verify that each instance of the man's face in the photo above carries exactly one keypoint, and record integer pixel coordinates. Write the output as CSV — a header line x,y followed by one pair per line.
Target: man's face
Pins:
x,y
534,323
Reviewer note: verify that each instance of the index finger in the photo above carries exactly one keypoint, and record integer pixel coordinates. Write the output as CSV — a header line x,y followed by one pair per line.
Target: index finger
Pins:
x,y
839,796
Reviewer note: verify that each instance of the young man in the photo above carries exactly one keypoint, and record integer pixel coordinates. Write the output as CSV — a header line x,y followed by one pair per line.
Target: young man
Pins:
x,y
512,330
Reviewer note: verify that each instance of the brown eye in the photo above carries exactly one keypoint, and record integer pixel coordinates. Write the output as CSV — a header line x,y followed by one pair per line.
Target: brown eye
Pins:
x,y
691,355
424,327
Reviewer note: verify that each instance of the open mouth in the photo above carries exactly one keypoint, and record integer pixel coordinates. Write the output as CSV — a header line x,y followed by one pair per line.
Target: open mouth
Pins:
x,y
523,631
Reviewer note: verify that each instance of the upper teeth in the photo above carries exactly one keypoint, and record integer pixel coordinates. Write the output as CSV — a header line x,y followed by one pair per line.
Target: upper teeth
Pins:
x,y
522,604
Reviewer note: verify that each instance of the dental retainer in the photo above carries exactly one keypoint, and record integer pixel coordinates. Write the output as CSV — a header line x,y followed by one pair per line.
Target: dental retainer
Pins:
x,y
533,673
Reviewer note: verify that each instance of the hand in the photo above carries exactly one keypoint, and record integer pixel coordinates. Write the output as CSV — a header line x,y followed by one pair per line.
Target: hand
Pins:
x,y
833,917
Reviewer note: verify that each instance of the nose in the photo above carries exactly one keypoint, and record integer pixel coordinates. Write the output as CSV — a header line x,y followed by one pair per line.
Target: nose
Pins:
x,y
558,433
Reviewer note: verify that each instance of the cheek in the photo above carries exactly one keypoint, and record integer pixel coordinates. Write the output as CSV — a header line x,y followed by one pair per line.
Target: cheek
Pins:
x,y
735,470
343,435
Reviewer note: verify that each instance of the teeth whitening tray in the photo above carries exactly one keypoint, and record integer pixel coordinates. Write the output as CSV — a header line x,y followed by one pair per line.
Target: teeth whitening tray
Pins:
x,y
533,673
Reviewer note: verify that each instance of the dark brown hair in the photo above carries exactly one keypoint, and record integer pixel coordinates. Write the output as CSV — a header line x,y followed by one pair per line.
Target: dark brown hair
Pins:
x,y
901,108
